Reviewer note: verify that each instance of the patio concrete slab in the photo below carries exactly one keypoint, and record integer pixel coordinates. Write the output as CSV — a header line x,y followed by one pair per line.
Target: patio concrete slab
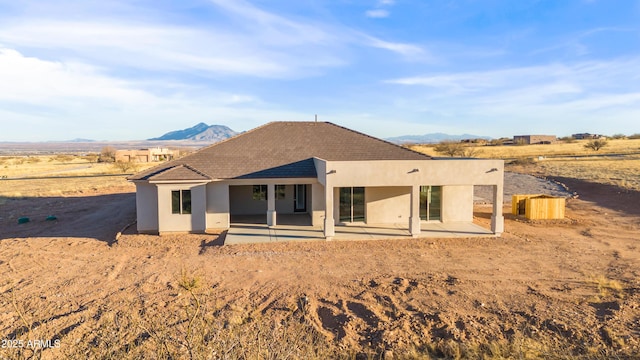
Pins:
x,y
251,233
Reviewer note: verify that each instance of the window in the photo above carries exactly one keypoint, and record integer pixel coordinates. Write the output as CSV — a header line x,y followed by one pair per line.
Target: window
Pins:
x,y
259,192
181,201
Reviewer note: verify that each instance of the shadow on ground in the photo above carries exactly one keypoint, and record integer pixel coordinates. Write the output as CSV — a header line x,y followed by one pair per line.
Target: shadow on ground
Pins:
x,y
607,196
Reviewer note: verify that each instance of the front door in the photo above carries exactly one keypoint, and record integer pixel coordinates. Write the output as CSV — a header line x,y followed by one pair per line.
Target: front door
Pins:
x,y
300,198
352,204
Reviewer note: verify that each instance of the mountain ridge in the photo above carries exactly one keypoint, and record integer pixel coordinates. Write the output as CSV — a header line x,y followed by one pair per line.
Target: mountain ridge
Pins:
x,y
432,138
199,132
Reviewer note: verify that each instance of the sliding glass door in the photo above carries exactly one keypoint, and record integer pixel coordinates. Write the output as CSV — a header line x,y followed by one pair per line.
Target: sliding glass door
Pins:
x,y
352,204
431,203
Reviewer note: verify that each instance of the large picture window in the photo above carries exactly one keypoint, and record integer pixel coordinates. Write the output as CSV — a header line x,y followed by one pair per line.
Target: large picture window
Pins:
x,y
181,201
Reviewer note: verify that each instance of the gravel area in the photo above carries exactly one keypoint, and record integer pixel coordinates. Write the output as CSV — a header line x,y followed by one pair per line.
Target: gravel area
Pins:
x,y
515,183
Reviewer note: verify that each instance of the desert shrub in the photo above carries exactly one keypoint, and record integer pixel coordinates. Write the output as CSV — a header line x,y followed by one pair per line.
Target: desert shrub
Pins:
x,y
63,158
596,144
456,149
107,154
449,148
91,157
522,161
125,166
606,286
634,136
567,139
470,152
618,136
498,142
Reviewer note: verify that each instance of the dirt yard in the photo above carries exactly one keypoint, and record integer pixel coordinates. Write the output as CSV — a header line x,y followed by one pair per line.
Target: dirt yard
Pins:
x,y
565,288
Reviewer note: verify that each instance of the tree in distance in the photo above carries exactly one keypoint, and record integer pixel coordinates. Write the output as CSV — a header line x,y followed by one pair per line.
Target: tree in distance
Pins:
x,y
125,166
456,149
107,154
596,144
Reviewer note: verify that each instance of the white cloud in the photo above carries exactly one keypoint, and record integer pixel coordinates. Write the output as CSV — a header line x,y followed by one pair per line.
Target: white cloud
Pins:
x,y
168,47
600,95
249,41
377,13
381,9
70,99
407,50
28,79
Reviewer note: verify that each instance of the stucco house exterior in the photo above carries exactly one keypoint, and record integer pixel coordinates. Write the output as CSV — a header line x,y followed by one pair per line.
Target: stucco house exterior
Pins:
x,y
331,174
145,155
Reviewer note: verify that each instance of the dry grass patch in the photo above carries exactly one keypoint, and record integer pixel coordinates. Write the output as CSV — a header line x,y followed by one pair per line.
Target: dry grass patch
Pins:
x,y
605,286
60,187
622,172
560,148
60,175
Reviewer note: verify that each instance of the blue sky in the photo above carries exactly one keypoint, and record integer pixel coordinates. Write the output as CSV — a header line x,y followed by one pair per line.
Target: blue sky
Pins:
x,y
122,70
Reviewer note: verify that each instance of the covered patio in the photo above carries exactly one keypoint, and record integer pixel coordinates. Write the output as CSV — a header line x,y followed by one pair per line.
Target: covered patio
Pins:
x,y
250,230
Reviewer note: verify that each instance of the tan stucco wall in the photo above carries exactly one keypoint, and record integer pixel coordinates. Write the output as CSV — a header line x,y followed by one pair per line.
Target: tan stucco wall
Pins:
x,y
457,203
146,207
317,204
285,206
242,203
217,216
401,173
387,204
195,222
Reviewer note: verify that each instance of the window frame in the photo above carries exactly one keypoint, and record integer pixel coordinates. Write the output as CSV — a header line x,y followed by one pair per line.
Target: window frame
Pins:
x,y
181,202
259,192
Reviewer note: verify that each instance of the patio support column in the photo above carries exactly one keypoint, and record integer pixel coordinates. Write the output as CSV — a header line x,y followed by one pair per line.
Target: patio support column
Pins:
x,y
271,204
497,219
329,223
414,217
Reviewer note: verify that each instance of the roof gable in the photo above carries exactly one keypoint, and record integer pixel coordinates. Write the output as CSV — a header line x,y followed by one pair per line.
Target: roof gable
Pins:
x,y
284,149
180,172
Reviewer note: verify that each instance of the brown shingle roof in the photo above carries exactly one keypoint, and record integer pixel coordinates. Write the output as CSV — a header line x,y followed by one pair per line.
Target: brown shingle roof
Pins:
x,y
181,172
282,149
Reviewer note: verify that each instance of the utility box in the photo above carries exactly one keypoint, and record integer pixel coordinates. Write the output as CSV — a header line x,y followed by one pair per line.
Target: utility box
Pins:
x,y
538,207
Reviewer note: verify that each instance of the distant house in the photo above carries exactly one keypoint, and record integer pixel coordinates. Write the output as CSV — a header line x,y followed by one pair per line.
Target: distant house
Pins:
x,y
586,136
534,139
145,155
326,173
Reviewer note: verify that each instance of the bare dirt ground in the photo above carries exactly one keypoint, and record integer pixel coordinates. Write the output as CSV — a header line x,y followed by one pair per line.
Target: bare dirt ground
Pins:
x,y
565,288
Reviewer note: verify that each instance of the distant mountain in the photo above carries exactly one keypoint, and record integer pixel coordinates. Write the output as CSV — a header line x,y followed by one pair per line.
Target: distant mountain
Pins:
x,y
200,132
431,138
80,140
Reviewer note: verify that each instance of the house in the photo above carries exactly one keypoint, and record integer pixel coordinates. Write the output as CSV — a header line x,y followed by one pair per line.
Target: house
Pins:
x,y
534,139
145,155
586,136
330,174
